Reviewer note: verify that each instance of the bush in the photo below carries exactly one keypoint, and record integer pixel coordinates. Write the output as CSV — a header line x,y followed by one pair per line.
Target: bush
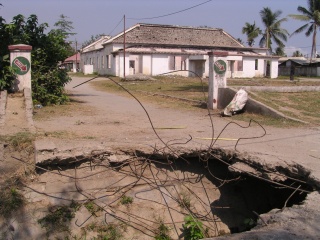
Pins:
x,y
48,88
6,73
48,49
193,229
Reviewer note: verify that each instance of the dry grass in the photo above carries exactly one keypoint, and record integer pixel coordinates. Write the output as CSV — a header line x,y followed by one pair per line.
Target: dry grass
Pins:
x,y
182,87
279,82
69,109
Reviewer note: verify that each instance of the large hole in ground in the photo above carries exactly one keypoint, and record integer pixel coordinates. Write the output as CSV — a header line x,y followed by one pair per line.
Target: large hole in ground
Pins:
x,y
243,197
165,189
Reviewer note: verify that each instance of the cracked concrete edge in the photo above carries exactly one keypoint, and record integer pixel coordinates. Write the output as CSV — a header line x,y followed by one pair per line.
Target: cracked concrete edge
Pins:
x,y
48,152
3,104
29,108
246,163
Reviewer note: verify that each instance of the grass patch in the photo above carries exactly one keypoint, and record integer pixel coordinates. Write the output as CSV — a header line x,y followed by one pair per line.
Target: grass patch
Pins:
x,y
125,200
162,231
107,231
58,218
182,87
244,119
11,200
278,82
22,141
72,108
92,208
302,105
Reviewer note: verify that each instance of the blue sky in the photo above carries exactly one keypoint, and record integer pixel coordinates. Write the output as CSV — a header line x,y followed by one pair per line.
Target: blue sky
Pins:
x,y
91,17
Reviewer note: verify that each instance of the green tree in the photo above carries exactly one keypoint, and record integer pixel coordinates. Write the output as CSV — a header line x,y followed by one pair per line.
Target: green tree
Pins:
x,y
272,28
47,51
92,39
252,32
64,26
311,15
297,54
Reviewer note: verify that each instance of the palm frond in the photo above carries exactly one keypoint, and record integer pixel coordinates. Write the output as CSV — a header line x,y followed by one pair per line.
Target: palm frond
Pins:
x,y
310,30
299,17
262,41
305,11
300,29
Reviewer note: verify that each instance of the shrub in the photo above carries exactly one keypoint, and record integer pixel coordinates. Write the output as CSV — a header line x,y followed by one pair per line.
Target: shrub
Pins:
x,y
193,229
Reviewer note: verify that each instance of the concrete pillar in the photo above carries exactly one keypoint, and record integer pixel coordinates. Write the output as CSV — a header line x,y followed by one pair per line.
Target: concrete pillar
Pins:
x,y
20,61
217,76
274,66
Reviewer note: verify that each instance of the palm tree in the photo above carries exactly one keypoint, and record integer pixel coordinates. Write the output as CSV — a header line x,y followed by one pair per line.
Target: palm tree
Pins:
x,y
312,16
273,30
251,31
239,40
280,52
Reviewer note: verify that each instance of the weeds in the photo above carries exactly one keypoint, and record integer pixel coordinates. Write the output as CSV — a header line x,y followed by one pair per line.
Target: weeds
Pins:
x,y
10,201
162,232
92,208
125,200
110,232
59,218
107,232
184,200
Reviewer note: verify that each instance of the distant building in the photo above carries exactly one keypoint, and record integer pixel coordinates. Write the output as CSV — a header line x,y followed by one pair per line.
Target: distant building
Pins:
x,y
93,57
153,49
72,63
299,66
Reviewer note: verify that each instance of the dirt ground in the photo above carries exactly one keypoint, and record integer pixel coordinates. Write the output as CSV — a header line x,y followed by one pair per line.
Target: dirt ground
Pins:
x,y
125,124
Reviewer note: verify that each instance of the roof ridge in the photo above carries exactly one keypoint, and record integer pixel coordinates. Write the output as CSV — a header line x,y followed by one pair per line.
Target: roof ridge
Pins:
x,y
177,26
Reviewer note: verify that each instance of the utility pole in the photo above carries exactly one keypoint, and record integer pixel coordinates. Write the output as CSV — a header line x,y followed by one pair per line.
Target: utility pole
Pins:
x,y
76,56
124,46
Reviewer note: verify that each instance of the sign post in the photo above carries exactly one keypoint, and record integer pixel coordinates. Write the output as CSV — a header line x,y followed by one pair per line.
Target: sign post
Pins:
x,y
217,76
20,60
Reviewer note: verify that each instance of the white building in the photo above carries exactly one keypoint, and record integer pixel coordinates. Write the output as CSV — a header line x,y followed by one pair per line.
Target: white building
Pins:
x,y
153,49
92,56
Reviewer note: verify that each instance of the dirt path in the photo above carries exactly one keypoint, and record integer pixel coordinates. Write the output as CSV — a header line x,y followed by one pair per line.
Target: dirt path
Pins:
x,y
15,117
